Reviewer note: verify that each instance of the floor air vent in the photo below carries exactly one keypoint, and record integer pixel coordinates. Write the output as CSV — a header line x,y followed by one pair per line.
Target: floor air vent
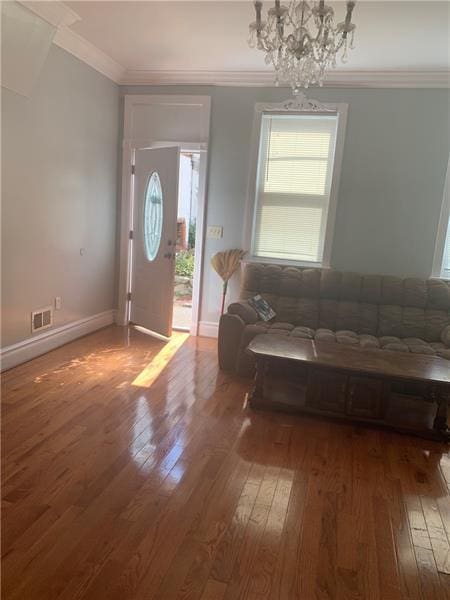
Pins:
x,y
41,319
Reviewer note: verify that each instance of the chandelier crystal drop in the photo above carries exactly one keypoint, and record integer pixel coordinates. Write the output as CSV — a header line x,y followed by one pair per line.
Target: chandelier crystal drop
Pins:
x,y
301,40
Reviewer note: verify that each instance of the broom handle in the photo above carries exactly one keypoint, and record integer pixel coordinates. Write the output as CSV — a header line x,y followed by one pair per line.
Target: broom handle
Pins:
x,y
224,293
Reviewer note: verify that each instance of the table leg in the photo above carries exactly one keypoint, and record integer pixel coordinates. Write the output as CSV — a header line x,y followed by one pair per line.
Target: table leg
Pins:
x,y
257,393
441,397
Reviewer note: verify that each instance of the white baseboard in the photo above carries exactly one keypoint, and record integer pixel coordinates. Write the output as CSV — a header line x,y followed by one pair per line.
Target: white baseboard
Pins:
x,y
16,354
208,329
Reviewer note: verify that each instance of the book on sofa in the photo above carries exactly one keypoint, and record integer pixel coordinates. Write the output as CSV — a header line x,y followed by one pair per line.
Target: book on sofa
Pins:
x,y
262,307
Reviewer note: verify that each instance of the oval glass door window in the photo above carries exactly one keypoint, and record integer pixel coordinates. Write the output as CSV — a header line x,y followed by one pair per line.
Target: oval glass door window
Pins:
x,y
153,216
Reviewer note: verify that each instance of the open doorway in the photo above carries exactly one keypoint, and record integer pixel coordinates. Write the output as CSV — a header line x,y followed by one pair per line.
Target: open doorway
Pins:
x,y
188,190
154,122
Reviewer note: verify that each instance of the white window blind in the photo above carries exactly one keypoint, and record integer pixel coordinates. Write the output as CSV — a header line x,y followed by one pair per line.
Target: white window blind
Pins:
x,y
295,169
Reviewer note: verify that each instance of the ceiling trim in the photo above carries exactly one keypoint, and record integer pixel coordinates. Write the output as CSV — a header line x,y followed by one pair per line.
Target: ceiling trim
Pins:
x,y
77,45
365,79
56,13
62,17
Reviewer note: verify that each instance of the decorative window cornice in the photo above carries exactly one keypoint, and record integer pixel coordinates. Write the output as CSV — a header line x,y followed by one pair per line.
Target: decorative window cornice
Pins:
x,y
299,103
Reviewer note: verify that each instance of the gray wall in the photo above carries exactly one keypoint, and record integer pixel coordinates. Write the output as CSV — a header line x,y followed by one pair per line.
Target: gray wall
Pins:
x,y
59,194
59,186
395,158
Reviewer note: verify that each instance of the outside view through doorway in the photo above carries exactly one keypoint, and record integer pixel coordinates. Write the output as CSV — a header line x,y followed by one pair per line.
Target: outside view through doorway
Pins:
x,y
185,250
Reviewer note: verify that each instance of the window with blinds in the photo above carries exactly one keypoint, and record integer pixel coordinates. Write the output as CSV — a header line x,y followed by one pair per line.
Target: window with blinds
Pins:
x,y
446,257
295,170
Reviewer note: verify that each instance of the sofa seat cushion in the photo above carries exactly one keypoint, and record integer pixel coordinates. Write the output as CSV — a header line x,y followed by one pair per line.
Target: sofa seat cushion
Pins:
x,y
305,333
280,327
347,337
264,324
369,342
418,346
251,331
392,343
325,335
441,350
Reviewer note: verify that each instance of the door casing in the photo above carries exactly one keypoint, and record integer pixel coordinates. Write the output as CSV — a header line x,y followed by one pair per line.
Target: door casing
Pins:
x,y
129,148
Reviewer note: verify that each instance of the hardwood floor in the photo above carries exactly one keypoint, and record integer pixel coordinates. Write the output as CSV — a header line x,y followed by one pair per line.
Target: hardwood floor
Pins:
x,y
135,470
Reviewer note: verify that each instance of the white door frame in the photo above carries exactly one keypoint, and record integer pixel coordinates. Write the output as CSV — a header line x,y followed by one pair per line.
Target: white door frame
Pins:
x,y
126,217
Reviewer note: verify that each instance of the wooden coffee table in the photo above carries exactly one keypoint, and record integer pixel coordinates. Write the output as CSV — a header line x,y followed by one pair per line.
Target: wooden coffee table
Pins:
x,y
409,392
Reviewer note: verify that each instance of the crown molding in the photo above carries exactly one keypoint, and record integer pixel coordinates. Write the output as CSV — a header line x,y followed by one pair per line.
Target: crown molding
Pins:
x,y
62,17
56,13
362,79
389,79
77,45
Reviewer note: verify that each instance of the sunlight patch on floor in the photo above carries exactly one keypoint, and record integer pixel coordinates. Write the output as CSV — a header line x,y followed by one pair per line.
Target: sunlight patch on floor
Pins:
x,y
155,367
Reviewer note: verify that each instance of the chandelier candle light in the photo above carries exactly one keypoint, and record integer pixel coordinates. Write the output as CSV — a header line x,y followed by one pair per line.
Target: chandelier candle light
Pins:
x,y
302,41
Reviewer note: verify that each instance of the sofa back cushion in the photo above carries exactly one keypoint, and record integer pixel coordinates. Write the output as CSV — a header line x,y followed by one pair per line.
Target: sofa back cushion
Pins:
x,y
373,304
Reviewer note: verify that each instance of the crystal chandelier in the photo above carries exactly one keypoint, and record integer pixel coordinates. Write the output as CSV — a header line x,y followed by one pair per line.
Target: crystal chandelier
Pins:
x,y
302,41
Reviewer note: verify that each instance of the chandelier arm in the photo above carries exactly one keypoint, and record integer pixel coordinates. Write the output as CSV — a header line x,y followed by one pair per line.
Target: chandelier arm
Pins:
x,y
258,8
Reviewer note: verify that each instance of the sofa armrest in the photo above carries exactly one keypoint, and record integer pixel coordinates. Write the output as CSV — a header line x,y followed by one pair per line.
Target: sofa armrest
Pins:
x,y
243,309
445,336
231,328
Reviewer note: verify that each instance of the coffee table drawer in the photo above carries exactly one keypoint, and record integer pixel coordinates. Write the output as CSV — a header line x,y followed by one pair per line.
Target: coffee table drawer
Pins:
x,y
364,398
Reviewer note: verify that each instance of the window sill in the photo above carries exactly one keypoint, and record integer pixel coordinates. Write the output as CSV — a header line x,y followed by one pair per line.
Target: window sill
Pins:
x,y
284,262
444,275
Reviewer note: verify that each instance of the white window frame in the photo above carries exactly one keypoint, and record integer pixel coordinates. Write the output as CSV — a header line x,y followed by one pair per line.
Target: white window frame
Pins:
x,y
444,224
300,106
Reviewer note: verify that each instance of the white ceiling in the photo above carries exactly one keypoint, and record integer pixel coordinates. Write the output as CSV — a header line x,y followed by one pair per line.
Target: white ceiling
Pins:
x,y
398,41
212,36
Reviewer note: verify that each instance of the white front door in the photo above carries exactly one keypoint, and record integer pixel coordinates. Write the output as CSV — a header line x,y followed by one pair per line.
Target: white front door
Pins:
x,y
154,238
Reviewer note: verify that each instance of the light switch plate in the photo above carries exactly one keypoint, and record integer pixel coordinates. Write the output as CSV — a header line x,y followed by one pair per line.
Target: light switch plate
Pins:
x,y
58,303
215,232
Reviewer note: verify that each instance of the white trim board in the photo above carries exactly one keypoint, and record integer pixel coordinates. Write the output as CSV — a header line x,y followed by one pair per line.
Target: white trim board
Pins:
x,y
79,47
298,105
56,13
208,329
334,78
16,354
185,140
62,17
436,270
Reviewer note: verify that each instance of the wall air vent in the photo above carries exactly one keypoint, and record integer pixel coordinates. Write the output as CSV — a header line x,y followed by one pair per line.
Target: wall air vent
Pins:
x,y
41,318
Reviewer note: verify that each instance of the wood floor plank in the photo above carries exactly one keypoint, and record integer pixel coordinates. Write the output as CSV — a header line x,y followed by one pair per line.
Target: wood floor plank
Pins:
x,y
263,574
133,469
389,577
214,590
429,576
406,561
309,553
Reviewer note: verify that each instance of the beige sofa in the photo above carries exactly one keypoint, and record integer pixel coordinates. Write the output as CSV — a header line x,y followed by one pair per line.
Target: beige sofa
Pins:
x,y
365,311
